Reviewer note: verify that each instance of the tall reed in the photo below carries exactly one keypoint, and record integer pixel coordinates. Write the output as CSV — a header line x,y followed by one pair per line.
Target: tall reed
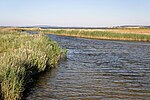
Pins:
x,y
23,55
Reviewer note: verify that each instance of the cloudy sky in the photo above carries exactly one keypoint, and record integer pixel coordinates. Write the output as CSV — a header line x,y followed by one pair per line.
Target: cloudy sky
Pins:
x,y
74,12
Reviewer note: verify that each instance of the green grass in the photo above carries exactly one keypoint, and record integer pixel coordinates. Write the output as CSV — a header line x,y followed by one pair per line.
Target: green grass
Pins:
x,y
23,55
100,35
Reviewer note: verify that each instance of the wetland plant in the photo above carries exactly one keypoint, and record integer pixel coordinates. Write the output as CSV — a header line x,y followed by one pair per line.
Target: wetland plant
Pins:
x,y
23,55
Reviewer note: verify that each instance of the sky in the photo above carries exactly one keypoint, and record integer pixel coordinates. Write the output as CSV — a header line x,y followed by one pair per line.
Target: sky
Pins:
x,y
91,13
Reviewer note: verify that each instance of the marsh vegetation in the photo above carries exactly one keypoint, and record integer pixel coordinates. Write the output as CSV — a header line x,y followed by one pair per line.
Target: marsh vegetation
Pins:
x,y
108,34
22,56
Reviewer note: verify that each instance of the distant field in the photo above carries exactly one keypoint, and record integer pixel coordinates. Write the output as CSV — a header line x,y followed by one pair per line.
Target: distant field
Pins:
x,y
116,30
108,34
128,30
119,30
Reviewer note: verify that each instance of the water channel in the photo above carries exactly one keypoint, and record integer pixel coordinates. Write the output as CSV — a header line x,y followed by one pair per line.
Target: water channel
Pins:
x,y
97,70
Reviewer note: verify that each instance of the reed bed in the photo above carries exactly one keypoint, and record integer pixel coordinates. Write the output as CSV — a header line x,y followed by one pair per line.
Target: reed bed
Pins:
x,y
100,35
22,56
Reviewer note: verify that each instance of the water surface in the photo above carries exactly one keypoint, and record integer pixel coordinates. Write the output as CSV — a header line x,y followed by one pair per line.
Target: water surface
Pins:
x,y
95,70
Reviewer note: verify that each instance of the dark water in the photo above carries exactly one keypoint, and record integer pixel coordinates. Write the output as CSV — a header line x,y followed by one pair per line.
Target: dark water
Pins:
x,y
95,70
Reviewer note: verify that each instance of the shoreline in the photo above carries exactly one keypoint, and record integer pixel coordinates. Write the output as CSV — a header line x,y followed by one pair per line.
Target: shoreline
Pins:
x,y
101,38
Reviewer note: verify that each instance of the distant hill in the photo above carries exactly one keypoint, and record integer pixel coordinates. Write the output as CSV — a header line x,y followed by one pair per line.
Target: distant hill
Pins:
x,y
132,26
61,27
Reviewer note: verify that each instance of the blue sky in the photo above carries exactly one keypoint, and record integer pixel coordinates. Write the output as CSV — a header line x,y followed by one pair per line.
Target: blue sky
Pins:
x,y
74,12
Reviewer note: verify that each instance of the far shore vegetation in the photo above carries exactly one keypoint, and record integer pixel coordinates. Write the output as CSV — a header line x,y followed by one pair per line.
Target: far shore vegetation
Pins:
x,y
107,34
129,34
22,56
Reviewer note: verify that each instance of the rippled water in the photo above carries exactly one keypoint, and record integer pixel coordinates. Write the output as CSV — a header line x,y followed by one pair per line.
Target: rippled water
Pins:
x,y
95,70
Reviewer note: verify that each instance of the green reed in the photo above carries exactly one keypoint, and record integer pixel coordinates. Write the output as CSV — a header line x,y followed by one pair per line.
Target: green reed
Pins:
x,y
23,55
